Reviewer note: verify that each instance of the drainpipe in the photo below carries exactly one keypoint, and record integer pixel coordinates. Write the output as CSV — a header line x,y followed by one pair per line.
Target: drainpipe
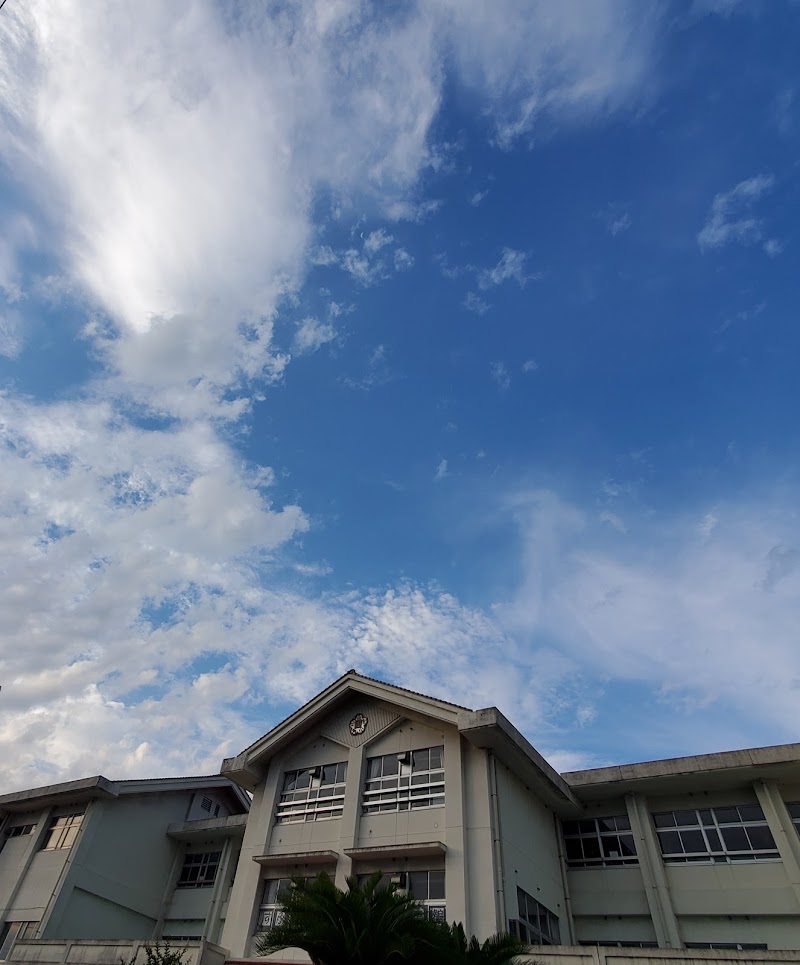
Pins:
x,y
497,845
562,863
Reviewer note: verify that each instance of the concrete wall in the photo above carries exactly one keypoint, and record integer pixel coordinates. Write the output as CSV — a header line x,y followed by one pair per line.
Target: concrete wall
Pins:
x,y
54,952
530,848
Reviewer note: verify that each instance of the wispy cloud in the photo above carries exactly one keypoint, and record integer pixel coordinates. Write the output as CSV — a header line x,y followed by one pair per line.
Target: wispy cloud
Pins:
x,y
731,218
441,471
474,303
500,375
312,334
510,267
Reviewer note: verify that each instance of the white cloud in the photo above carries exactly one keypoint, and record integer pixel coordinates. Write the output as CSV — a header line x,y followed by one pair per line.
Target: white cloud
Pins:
x,y
731,218
402,260
476,198
376,240
530,365
474,303
773,247
499,374
511,266
441,471
10,333
620,224
170,175
312,334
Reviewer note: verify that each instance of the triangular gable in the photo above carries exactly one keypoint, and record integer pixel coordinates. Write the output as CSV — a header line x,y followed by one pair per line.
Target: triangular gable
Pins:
x,y
388,701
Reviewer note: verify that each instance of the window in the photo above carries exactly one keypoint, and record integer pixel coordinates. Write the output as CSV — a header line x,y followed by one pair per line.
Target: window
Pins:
x,y
15,931
270,912
426,886
599,842
721,835
19,830
313,794
199,870
733,946
205,804
620,944
62,832
399,782
537,925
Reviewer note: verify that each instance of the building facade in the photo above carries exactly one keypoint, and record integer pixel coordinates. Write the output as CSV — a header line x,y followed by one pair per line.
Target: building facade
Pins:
x,y
458,808
100,859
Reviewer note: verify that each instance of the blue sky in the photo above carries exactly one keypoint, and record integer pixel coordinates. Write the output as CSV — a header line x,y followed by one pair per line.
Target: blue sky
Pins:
x,y
454,342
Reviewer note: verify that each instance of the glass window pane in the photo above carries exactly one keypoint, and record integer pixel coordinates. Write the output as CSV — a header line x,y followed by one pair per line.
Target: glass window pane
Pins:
x,y
421,760
682,818
574,851
569,827
706,816
693,842
670,842
587,827
591,848
436,884
726,815
627,846
611,847
437,757
735,839
794,810
289,780
391,765
751,812
373,768
607,824
623,824
328,774
665,820
418,884
714,842
761,838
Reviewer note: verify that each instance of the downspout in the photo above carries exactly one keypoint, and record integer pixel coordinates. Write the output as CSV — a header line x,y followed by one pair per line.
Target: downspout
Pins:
x,y
497,846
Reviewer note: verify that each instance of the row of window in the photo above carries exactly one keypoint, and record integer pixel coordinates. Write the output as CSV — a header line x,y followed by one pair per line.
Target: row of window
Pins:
x,y
61,832
427,887
731,946
394,782
722,835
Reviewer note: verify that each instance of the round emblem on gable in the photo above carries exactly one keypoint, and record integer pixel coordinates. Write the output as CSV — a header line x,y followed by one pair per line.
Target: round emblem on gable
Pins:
x,y
358,725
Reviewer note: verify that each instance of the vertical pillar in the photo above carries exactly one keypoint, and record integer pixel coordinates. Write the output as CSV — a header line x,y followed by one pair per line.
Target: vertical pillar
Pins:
x,y
245,895
780,824
659,900
215,901
351,813
455,866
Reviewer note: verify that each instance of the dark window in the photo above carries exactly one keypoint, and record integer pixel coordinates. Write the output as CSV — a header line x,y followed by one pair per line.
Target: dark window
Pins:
x,y
536,924
20,829
205,804
313,794
62,832
732,946
199,870
719,835
599,842
620,944
403,782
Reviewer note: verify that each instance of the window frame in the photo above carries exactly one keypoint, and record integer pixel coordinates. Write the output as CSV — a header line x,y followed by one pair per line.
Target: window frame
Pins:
x,y
579,830
295,807
203,861
63,834
530,909
390,785
710,825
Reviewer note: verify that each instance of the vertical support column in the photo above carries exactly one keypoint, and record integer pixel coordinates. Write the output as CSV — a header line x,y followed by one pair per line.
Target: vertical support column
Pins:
x,y
780,824
169,888
455,864
351,813
659,900
246,891
215,902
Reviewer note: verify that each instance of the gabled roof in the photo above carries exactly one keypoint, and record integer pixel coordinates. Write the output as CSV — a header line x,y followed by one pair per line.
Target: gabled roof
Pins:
x,y
486,728
249,767
90,788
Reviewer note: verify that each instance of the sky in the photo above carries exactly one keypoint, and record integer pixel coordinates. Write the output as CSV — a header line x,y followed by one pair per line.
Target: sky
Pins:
x,y
455,342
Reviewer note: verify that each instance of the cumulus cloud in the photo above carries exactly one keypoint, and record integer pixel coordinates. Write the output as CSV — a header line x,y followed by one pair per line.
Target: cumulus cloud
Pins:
x,y
731,218
170,176
500,375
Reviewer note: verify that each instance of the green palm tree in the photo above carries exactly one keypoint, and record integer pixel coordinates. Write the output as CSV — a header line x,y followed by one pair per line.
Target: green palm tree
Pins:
x,y
497,950
367,924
